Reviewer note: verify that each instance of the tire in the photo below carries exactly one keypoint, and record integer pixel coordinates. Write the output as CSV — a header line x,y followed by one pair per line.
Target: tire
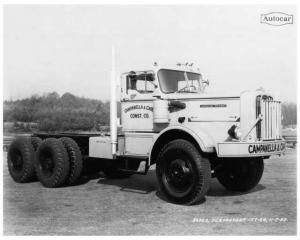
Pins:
x,y
111,168
36,142
20,160
241,174
52,163
75,159
182,173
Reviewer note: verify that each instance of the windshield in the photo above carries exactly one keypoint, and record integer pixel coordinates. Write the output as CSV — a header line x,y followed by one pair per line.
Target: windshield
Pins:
x,y
172,81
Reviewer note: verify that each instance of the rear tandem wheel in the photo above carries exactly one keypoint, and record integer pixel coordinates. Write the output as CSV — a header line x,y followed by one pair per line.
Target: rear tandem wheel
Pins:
x,y
52,163
20,160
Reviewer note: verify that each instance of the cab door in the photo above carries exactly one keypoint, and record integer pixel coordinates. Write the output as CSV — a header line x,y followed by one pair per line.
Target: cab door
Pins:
x,y
137,101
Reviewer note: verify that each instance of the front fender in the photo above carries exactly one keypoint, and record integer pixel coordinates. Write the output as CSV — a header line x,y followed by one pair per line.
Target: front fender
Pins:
x,y
204,141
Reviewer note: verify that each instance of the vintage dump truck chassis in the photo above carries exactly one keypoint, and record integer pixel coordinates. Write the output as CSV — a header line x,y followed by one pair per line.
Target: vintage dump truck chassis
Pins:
x,y
169,120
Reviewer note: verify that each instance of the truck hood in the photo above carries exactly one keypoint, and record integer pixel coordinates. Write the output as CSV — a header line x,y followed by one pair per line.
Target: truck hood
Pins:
x,y
198,96
212,96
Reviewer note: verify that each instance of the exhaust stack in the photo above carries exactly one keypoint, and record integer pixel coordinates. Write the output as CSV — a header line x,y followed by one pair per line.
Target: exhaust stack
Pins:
x,y
113,106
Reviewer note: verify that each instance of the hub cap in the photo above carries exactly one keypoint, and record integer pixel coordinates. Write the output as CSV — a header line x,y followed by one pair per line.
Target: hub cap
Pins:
x,y
178,177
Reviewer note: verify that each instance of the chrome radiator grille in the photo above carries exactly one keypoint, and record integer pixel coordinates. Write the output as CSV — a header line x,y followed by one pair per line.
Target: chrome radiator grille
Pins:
x,y
269,128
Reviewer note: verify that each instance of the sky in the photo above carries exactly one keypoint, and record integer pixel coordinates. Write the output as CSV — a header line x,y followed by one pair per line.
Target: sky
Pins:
x,y
67,48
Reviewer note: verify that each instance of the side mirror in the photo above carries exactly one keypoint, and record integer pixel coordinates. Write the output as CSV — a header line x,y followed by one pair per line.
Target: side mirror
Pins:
x,y
206,82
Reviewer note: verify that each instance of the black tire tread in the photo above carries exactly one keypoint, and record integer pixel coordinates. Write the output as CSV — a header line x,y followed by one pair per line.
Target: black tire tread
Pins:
x,y
75,157
247,182
59,177
36,142
202,164
23,144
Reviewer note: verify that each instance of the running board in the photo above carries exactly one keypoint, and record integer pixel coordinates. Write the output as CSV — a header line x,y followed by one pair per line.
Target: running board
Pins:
x,y
137,172
134,172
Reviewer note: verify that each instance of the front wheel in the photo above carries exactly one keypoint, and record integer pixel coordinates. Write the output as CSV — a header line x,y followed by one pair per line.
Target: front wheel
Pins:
x,y
183,174
239,174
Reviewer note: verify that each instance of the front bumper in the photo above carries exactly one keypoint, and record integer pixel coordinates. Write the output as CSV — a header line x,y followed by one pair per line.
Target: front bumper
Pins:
x,y
251,149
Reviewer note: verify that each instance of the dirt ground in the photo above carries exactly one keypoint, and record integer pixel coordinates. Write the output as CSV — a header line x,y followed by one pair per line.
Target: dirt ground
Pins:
x,y
134,206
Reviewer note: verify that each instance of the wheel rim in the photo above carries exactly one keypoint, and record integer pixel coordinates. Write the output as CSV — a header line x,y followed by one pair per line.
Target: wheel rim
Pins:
x,y
46,163
178,177
17,161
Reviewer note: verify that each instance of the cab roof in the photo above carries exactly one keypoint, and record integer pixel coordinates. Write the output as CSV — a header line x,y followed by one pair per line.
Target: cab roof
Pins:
x,y
156,68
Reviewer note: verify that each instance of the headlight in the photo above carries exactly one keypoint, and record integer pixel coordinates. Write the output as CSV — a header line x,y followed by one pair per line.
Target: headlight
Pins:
x,y
235,132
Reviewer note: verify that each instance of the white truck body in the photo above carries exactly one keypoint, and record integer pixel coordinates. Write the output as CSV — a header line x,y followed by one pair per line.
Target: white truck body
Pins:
x,y
148,114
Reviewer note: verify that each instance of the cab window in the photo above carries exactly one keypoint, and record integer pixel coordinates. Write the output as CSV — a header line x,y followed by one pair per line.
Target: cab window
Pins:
x,y
178,81
140,82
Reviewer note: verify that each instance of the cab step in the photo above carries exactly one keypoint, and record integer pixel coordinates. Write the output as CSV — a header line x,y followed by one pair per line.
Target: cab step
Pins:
x,y
143,172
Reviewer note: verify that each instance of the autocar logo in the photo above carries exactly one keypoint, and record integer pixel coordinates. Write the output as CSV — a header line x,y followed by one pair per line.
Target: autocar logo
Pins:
x,y
276,18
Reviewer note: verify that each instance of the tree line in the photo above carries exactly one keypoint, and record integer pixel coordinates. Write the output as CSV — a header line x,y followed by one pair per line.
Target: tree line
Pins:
x,y
52,112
